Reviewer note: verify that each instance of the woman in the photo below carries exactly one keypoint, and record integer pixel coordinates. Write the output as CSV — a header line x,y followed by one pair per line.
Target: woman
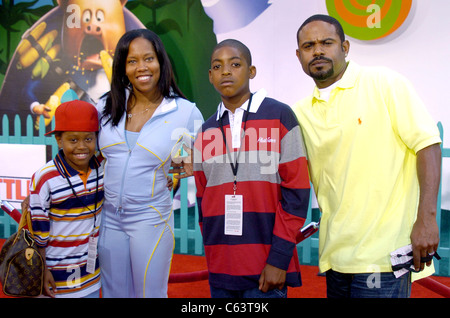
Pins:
x,y
144,118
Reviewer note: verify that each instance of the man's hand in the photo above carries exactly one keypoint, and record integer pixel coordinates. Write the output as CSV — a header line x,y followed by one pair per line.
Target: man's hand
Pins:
x,y
271,278
424,240
425,232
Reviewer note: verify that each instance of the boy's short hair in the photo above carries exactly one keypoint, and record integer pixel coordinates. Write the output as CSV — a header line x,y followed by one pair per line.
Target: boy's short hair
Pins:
x,y
76,115
238,45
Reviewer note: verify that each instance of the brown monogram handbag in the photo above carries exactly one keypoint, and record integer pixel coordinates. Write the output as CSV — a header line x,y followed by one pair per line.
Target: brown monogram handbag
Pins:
x,y
21,264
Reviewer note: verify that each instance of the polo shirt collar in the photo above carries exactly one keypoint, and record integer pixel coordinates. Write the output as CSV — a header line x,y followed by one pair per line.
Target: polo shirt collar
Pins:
x,y
257,99
66,170
348,80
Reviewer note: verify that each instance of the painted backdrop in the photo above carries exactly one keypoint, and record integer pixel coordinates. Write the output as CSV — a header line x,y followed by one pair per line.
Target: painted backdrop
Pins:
x,y
79,36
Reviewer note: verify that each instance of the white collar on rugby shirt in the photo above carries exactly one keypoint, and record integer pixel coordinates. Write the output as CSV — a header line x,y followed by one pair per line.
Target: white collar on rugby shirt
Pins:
x,y
257,99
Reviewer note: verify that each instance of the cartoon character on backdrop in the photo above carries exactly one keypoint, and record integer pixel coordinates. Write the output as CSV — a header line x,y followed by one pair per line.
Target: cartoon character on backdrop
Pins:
x,y
60,56
65,55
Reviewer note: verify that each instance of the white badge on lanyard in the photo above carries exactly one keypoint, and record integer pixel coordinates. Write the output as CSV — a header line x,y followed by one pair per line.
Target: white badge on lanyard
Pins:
x,y
234,203
233,214
92,254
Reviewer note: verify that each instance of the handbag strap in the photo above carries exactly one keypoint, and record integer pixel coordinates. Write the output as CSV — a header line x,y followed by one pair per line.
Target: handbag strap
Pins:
x,y
25,221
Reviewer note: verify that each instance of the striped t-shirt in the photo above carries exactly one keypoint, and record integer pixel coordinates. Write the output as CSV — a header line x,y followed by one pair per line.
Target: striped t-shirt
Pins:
x,y
65,212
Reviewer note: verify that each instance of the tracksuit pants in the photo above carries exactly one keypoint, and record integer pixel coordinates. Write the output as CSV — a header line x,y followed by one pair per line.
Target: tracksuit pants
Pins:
x,y
135,254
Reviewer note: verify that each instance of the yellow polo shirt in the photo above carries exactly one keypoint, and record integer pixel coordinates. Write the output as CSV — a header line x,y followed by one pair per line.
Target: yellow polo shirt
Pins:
x,y
361,148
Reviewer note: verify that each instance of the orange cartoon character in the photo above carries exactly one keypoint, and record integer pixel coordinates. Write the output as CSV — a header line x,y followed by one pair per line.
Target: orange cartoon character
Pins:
x,y
65,55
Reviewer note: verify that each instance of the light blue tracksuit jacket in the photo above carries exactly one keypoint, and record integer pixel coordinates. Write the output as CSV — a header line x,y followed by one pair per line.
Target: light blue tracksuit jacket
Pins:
x,y
135,177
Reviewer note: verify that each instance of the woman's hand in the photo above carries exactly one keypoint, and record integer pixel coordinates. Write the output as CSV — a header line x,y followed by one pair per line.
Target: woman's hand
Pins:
x,y
183,167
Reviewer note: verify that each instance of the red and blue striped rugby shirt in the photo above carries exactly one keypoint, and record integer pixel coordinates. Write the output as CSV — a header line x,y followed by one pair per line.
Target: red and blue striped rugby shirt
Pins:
x,y
274,182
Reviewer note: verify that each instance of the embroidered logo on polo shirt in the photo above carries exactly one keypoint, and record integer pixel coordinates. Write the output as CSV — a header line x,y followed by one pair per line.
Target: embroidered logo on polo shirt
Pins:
x,y
266,140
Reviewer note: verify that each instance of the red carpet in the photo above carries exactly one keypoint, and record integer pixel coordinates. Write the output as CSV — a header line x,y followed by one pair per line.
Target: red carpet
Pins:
x,y
313,285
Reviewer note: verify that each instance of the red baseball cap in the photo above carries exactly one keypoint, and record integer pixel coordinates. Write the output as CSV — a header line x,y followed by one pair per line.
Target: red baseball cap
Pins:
x,y
75,115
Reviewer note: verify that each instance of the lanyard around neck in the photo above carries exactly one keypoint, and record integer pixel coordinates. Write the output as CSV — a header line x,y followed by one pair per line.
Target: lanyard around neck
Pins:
x,y
235,166
76,196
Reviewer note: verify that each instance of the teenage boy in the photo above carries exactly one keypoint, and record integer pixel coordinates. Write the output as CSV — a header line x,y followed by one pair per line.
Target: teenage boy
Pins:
x,y
252,184
65,203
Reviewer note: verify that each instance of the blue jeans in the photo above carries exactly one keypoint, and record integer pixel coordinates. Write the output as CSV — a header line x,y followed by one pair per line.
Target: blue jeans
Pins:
x,y
248,293
367,285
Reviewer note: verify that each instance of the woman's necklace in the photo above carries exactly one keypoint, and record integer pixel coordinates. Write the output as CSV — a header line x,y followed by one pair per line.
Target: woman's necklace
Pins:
x,y
129,115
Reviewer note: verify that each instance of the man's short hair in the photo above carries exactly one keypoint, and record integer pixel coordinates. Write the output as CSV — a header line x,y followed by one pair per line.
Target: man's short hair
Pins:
x,y
324,18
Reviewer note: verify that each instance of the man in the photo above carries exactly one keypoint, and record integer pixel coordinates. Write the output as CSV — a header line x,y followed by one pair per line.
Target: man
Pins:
x,y
374,159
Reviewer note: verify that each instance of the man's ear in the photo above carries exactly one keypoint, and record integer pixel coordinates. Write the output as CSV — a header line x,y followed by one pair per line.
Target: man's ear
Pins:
x,y
252,73
346,47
